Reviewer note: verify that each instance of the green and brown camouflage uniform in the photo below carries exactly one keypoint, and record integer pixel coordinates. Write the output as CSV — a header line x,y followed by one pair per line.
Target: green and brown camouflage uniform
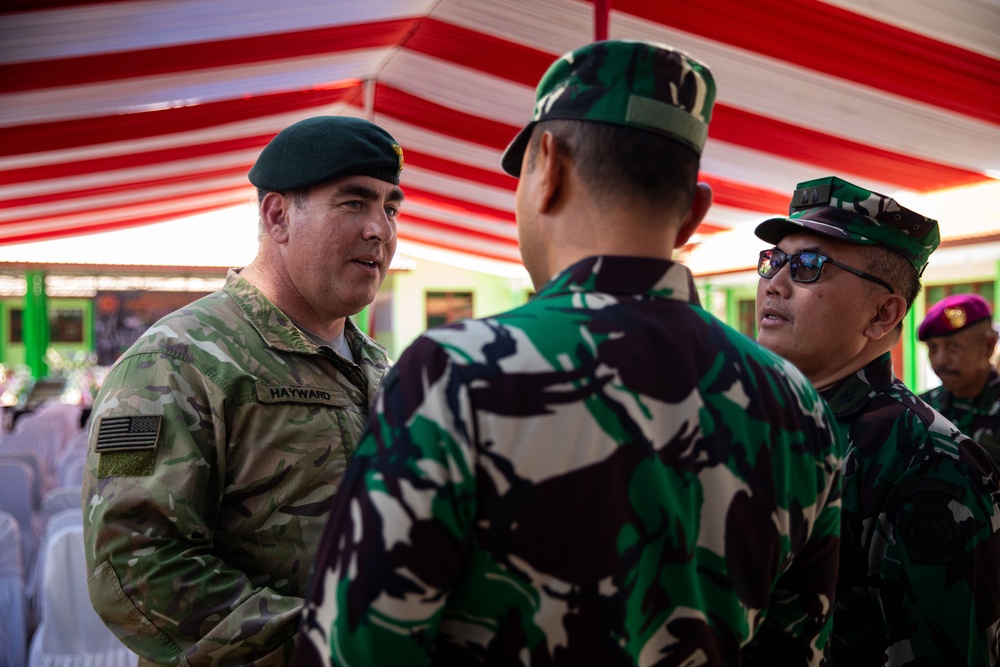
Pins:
x,y
606,475
978,417
217,441
920,546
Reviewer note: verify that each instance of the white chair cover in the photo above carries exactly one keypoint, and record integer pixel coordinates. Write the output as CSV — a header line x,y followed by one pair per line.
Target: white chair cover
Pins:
x,y
13,610
30,456
45,445
71,468
70,633
59,520
17,484
59,499
54,415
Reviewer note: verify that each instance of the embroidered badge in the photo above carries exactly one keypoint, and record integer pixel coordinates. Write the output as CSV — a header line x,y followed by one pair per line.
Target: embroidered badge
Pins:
x,y
399,153
956,317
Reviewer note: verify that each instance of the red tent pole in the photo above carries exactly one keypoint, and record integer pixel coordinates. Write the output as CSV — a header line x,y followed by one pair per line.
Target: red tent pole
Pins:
x,y
602,10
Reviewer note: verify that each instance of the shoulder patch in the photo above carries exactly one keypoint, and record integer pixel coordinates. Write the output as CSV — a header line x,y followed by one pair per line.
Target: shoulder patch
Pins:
x,y
930,535
126,434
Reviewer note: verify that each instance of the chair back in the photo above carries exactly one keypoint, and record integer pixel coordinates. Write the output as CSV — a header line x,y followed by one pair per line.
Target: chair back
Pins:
x,y
70,633
17,484
13,610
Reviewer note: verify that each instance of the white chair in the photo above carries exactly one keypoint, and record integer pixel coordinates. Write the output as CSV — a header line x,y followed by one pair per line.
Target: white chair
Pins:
x,y
34,461
72,516
71,469
13,610
17,483
59,499
52,415
45,445
70,633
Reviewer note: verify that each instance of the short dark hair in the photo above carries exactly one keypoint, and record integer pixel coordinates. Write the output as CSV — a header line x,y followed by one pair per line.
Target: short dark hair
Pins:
x,y
894,269
297,196
622,163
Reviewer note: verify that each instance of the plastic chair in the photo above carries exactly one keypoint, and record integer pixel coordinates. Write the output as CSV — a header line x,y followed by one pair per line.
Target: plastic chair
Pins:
x,y
71,468
70,633
59,499
13,609
45,445
17,484
52,415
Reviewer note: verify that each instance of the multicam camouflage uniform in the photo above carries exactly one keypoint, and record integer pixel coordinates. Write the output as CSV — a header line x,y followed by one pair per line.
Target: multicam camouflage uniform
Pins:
x,y
978,418
606,475
219,437
920,544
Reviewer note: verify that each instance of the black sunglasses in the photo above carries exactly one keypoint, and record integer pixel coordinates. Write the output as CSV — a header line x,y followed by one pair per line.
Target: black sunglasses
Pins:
x,y
805,267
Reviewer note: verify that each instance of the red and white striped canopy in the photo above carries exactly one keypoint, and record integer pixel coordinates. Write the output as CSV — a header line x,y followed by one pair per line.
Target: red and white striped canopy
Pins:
x,y
122,113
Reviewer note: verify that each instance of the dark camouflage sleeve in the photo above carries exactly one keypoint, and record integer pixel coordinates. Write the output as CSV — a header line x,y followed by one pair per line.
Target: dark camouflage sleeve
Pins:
x,y
922,547
150,517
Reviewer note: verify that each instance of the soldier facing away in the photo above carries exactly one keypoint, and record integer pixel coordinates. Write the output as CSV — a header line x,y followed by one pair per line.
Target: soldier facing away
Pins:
x,y
920,546
219,437
608,474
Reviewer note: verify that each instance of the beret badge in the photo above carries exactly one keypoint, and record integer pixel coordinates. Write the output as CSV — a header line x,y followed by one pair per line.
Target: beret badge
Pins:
x,y
399,153
956,317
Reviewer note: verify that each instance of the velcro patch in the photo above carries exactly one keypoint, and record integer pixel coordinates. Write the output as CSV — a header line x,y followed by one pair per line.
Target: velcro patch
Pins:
x,y
126,434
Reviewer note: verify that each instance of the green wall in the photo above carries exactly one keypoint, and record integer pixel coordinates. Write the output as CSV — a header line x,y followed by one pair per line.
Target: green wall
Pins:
x,y
402,299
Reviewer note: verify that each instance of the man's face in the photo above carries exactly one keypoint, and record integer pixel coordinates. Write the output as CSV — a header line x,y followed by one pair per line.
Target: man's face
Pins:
x,y
818,326
341,240
962,360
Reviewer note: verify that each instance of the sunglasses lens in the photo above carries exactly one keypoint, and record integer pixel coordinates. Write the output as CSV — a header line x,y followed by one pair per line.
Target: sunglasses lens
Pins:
x,y
805,267
769,263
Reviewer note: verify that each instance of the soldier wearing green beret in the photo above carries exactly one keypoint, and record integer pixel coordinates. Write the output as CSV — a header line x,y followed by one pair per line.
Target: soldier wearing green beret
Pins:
x,y
607,475
918,580
219,437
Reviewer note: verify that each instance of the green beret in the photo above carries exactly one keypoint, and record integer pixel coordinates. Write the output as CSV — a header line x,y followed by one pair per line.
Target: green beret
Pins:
x,y
321,149
833,207
642,85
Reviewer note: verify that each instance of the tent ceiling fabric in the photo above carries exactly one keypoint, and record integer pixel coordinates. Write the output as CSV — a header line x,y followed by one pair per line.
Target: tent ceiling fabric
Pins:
x,y
121,113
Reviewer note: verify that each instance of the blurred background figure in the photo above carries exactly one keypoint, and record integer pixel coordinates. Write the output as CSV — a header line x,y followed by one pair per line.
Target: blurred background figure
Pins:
x,y
961,340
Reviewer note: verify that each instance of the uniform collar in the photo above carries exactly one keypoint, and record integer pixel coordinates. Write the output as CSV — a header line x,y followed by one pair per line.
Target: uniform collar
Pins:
x,y
848,396
615,274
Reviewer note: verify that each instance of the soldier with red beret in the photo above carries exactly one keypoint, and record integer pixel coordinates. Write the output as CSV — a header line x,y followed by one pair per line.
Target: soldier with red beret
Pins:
x,y
960,341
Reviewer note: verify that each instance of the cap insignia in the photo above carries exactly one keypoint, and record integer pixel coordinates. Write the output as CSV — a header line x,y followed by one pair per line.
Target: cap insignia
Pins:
x,y
956,317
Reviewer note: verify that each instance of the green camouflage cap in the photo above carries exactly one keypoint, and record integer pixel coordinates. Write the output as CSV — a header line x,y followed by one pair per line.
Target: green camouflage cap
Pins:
x,y
644,85
833,207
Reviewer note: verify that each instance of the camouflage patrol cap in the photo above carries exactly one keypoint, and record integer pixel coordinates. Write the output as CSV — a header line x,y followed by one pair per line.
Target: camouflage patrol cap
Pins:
x,y
835,208
320,149
643,85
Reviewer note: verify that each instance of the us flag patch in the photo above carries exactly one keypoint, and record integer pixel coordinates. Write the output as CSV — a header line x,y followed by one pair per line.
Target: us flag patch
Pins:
x,y
118,434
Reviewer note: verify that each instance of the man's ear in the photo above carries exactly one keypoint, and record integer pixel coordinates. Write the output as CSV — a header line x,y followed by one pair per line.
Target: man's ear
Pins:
x,y
551,172
274,210
700,204
890,311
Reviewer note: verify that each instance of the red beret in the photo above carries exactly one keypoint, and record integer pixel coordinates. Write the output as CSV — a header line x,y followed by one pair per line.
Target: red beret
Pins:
x,y
954,313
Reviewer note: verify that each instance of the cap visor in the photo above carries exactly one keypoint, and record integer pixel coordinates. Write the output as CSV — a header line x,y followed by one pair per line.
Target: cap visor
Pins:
x,y
510,162
775,229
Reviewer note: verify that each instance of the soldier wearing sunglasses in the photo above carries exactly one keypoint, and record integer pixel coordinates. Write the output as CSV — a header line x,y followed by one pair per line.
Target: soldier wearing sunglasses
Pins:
x,y
920,546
